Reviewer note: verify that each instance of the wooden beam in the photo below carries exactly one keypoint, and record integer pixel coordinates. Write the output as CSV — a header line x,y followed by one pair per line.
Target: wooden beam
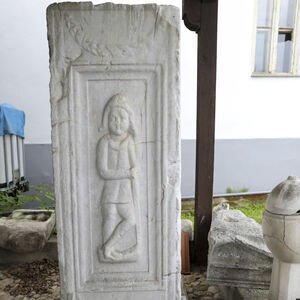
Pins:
x,y
191,14
201,16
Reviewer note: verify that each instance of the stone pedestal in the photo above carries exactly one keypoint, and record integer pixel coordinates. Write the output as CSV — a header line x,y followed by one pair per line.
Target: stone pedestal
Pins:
x,y
281,227
116,149
285,281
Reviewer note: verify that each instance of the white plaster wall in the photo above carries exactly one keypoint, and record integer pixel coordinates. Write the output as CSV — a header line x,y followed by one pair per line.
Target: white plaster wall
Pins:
x,y
246,107
249,107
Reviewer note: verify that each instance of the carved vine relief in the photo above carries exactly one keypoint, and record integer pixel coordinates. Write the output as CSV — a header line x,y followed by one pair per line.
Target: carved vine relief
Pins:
x,y
96,47
118,167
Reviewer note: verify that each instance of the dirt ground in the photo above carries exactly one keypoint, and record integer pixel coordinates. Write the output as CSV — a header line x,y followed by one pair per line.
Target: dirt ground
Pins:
x,y
37,280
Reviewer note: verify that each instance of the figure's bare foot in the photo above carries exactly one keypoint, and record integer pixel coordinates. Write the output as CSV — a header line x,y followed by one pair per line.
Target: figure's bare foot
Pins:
x,y
112,254
116,255
108,253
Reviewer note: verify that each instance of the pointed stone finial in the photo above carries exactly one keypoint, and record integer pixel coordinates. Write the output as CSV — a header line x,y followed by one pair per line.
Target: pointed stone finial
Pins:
x,y
285,197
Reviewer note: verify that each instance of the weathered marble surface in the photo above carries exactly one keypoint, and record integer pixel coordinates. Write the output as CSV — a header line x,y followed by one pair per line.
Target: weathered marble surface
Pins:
x,y
116,149
238,256
26,230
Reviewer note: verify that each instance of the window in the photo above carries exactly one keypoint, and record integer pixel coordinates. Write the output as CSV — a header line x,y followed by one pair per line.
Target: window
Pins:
x,y
276,31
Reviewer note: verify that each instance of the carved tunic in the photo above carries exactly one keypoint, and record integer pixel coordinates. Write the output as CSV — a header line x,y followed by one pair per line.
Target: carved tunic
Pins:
x,y
116,171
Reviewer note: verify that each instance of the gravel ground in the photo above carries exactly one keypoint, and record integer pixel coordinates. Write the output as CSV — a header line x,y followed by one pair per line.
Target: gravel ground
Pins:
x,y
37,280
40,280
197,287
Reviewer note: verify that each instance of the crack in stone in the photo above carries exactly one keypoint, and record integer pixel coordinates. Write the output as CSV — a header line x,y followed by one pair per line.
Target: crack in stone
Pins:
x,y
284,242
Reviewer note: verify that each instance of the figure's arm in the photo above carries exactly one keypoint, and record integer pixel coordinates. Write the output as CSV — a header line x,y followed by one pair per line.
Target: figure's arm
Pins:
x,y
132,154
102,164
132,159
134,172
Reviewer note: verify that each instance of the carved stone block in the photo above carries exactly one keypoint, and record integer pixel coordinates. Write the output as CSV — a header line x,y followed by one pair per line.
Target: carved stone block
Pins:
x,y
116,149
238,256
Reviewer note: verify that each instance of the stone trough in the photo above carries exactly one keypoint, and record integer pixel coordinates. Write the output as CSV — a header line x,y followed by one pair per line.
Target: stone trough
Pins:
x,y
26,230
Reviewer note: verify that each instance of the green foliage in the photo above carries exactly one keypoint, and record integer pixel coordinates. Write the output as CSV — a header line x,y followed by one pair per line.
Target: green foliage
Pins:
x,y
9,202
229,190
44,195
252,210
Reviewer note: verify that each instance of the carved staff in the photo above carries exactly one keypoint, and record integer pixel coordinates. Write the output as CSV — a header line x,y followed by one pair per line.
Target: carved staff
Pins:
x,y
201,16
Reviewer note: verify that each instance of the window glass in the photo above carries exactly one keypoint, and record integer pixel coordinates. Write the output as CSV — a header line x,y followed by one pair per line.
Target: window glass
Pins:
x,y
265,9
287,13
275,35
284,50
262,49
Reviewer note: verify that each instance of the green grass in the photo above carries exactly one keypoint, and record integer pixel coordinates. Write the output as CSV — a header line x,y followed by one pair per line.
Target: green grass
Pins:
x,y
251,208
189,216
230,190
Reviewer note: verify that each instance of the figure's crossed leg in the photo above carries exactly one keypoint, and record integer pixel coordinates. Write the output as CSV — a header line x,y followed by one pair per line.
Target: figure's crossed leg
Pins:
x,y
126,212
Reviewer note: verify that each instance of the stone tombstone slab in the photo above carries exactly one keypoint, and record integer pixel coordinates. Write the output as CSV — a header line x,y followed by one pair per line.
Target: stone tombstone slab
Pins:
x,y
116,149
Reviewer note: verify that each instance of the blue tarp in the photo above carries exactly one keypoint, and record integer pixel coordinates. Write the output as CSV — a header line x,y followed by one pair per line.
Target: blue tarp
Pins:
x,y
12,120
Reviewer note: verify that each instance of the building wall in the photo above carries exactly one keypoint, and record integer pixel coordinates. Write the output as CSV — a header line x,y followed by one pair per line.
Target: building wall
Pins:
x,y
247,108
250,107
257,164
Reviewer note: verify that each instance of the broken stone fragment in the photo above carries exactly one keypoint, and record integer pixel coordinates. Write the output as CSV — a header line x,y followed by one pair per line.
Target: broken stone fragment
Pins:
x,y
187,226
21,233
238,255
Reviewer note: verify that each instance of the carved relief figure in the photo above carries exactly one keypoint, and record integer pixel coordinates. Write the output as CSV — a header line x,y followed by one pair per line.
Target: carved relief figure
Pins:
x,y
117,166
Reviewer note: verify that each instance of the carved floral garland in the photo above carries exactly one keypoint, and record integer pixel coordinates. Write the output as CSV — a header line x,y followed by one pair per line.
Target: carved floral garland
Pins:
x,y
94,47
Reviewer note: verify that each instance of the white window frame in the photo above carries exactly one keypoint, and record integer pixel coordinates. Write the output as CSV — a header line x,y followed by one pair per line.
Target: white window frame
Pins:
x,y
272,51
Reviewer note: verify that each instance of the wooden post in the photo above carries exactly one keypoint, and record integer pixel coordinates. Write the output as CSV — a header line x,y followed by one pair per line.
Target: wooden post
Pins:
x,y
201,17
185,253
